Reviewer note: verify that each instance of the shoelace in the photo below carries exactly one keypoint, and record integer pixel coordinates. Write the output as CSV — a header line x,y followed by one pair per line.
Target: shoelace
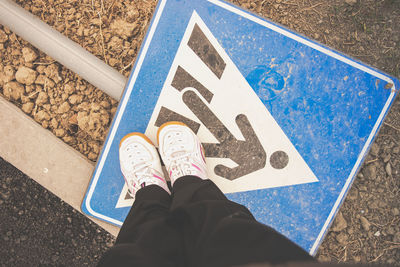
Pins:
x,y
181,163
142,174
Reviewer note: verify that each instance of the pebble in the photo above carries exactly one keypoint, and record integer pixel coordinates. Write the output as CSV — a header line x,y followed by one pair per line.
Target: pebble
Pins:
x,y
340,223
365,223
395,212
387,158
342,238
42,115
59,132
29,54
351,2
123,28
3,36
8,74
25,75
388,169
63,108
75,99
370,171
28,107
42,98
13,90
375,149
54,123
52,72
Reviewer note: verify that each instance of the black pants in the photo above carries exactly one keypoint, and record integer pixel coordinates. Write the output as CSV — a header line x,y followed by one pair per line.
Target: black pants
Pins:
x,y
196,226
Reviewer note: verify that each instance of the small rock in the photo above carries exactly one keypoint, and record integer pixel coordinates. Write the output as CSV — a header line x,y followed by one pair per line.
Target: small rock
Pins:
x,y
351,2
69,88
54,123
73,119
42,98
104,119
8,74
105,104
29,54
387,158
29,88
395,212
75,99
342,238
113,62
25,75
83,120
45,124
41,69
365,223
388,169
13,90
63,108
377,234
52,72
27,107
59,132
123,28
370,171
92,156
375,149
41,115
340,223
3,36
43,80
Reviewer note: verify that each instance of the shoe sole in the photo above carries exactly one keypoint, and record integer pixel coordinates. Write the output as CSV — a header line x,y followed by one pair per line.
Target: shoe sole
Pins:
x,y
135,134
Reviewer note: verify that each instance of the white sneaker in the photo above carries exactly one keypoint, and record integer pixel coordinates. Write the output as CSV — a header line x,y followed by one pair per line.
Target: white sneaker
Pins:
x,y
140,163
181,151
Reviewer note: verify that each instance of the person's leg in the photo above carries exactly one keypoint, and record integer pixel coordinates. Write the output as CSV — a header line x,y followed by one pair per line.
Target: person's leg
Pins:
x,y
217,232
146,238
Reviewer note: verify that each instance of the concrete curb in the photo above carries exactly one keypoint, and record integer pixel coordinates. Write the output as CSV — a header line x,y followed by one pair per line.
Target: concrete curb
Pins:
x,y
45,158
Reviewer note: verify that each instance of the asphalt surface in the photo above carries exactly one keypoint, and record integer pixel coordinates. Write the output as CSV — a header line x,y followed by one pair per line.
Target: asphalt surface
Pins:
x,y
39,229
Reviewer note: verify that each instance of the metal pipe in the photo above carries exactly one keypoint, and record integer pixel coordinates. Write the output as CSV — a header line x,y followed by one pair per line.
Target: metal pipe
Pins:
x,y
62,49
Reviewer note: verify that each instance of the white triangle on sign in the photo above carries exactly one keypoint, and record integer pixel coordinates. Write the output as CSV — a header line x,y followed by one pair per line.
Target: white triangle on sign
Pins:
x,y
124,200
232,95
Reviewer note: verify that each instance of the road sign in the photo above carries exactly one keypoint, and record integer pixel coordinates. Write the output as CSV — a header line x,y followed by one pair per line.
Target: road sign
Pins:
x,y
285,122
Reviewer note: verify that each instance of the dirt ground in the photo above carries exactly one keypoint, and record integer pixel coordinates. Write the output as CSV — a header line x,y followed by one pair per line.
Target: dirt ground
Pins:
x,y
367,228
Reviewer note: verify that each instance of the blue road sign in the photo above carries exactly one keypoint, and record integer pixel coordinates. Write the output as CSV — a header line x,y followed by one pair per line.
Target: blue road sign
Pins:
x,y
285,122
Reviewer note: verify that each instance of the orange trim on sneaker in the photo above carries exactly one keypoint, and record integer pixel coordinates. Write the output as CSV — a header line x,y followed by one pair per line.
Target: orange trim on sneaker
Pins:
x,y
135,134
166,124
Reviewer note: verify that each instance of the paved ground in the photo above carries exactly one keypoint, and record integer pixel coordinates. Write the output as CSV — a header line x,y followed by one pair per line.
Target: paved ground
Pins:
x,y
37,228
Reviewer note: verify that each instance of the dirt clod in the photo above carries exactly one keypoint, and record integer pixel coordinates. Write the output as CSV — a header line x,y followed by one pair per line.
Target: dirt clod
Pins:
x,y
13,90
25,75
29,54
